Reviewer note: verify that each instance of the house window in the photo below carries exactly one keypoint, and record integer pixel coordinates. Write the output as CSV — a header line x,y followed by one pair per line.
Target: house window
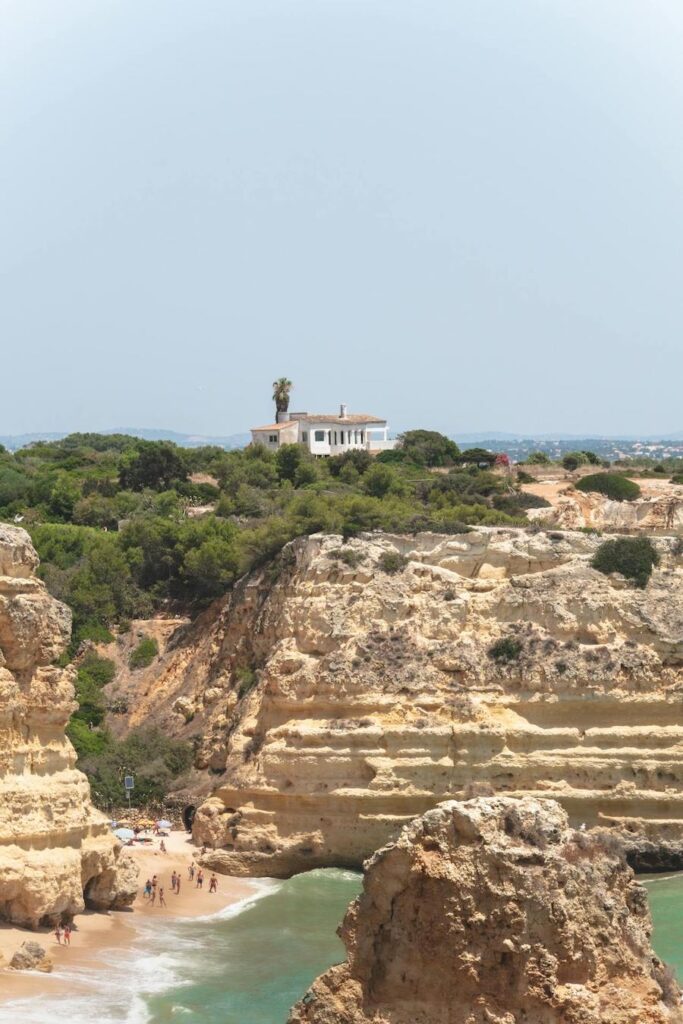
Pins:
x,y
320,435
272,438
342,437
304,436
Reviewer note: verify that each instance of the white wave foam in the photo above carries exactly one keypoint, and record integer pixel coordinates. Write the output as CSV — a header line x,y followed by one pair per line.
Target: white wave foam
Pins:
x,y
156,961
262,887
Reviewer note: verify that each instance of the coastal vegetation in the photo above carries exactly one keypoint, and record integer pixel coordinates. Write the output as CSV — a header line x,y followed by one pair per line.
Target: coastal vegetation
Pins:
x,y
127,528
613,485
633,557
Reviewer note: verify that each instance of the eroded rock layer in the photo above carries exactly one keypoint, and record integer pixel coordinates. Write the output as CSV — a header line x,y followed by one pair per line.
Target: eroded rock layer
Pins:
x,y
344,699
334,700
495,912
56,850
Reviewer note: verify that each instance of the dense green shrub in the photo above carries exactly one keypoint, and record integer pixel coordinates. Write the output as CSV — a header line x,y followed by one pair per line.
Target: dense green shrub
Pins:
x,y
633,557
392,562
153,758
348,556
428,448
612,485
144,654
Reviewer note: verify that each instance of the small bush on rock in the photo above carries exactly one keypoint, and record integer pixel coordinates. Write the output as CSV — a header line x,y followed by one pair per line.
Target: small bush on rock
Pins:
x,y
144,654
633,557
392,562
612,485
505,650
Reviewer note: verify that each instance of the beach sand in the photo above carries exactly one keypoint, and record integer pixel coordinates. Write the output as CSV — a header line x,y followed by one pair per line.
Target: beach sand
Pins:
x,y
96,933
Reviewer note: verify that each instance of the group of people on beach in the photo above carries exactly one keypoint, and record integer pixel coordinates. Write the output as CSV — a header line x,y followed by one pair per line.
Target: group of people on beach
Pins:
x,y
63,933
154,890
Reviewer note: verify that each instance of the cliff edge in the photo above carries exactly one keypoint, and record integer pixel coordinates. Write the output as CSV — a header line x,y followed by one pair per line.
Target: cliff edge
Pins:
x,y
56,851
493,911
347,688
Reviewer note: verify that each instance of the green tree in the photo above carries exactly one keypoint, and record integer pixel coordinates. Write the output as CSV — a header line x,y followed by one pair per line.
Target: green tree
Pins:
x,y
154,464
428,448
477,457
538,459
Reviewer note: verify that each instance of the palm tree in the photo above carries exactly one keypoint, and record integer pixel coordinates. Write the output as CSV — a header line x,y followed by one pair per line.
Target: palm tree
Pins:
x,y
281,389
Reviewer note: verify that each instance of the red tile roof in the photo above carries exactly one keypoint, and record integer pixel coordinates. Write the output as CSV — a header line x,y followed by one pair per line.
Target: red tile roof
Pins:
x,y
276,426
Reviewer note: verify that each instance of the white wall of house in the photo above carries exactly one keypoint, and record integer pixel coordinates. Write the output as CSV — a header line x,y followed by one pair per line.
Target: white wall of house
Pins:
x,y
332,436
326,438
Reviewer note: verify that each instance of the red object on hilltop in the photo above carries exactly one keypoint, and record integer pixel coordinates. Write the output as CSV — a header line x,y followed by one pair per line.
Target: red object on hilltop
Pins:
x,y
502,459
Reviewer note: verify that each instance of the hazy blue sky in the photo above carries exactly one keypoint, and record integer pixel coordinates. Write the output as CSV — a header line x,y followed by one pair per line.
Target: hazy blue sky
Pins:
x,y
462,215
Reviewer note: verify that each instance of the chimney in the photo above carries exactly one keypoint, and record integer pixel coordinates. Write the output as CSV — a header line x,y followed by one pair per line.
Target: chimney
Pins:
x,y
342,411
282,416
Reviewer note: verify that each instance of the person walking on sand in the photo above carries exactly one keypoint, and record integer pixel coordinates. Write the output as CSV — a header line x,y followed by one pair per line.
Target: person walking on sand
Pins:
x,y
173,881
177,884
200,879
67,934
190,872
162,901
58,934
147,891
213,884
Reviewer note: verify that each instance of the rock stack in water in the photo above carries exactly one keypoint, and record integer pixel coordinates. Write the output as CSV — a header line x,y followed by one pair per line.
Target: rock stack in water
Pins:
x,y
493,911
56,850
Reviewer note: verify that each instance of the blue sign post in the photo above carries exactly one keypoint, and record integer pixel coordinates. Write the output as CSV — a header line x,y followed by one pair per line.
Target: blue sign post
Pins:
x,y
129,785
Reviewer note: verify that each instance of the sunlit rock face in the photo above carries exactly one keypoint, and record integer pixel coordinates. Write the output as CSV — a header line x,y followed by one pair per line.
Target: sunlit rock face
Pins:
x,y
494,911
334,701
54,846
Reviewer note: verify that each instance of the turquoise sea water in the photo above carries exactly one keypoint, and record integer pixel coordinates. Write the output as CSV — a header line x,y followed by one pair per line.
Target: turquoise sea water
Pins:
x,y
666,904
249,964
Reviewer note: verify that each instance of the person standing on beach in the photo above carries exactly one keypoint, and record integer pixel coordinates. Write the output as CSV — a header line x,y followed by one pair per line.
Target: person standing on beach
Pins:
x,y
213,884
162,901
177,884
173,881
200,879
58,934
67,934
190,871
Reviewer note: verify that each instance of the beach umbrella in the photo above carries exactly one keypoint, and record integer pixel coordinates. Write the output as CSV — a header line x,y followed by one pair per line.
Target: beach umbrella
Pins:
x,y
164,823
124,834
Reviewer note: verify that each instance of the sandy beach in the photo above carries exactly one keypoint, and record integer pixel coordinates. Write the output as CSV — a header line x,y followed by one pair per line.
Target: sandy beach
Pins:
x,y
94,933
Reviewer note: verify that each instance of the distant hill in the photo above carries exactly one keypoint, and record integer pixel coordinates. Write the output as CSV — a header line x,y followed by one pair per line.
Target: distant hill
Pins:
x,y
15,441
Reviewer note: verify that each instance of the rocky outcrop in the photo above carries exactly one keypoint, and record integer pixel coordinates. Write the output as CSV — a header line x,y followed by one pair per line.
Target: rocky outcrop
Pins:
x,y
573,509
54,846
31,957
493,912
338,700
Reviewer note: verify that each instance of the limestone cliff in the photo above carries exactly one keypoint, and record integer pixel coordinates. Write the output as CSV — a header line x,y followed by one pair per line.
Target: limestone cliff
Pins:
x,y
571,509
494,912
333,701
56,851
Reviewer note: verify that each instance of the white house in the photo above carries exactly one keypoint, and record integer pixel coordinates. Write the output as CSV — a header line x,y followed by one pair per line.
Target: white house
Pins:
x,y
326,433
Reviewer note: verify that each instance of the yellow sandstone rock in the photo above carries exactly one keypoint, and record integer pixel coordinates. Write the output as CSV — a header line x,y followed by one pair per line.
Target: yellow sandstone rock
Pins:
x,y
371,697
56,850
494,911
